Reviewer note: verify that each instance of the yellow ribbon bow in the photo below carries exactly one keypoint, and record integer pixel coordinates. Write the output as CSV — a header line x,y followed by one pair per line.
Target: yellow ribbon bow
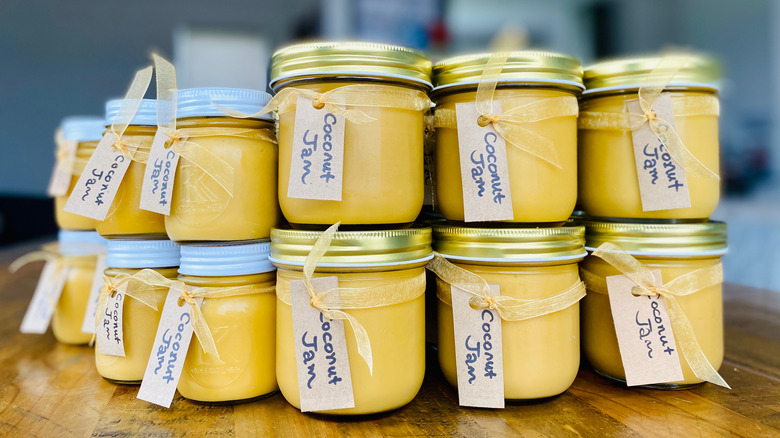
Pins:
x,y
179,139
652,87
686,284
339,100
509,308
333,302
133,150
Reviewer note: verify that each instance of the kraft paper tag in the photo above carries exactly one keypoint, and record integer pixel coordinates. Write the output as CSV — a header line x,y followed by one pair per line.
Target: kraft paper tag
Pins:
x,y
98,184
60,177
44,300
108,333
317,163
160,172
483,167
662,182
429,173
644,333
324,379
88,325
168,351
478,352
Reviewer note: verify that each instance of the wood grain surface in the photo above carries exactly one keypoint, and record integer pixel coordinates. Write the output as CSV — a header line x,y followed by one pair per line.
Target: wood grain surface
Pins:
x,y
53,390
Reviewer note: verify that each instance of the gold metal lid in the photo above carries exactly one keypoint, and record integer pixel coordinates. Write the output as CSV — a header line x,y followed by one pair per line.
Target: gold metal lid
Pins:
x,y
509,245
353,248
697,239
520,67
699,70
324,59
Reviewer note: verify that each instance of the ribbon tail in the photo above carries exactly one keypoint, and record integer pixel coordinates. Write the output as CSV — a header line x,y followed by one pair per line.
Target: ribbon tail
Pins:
x,y
214,166
626,264
203,333
35,256
689,346
529,142
361,336
680,154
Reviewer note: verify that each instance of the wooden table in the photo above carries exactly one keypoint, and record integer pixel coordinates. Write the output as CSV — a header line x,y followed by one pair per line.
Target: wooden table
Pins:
x,y
53,390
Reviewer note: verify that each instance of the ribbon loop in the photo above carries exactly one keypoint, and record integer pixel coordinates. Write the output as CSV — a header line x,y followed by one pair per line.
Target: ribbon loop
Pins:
x,y
684,285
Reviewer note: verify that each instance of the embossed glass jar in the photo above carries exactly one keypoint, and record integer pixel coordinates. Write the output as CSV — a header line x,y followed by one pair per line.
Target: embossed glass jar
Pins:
x,y
383,158
242,322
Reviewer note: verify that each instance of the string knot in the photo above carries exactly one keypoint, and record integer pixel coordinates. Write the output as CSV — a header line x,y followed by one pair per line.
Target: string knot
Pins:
x,y
318,102
486,119
316,302
172,138
186,295
650,115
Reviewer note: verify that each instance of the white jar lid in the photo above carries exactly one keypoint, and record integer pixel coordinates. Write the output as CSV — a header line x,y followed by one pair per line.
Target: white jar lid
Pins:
x,y
226,259
83,128
80,242
139,254
145,116
200,102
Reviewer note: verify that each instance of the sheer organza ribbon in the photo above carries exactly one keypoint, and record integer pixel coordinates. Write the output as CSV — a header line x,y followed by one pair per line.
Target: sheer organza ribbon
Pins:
x,y
508,308
63,159
136,149
144,286
685,284
652,87
509,123
341,100
333,303
179,140
55,252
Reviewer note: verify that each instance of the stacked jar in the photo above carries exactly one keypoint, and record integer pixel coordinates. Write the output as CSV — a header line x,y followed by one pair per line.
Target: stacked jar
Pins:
x,y
80,251
506,169
223,206
351,156
649,165
137,242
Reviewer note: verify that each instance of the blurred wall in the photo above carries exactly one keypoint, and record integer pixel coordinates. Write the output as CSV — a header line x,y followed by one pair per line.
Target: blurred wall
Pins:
x,y
61,58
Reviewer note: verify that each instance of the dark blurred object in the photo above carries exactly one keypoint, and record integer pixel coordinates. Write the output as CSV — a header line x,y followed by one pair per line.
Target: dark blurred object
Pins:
x,y
24,218
603,17
746,158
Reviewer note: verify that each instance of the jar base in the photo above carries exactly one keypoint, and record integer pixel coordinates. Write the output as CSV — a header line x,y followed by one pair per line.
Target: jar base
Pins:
x,y
352,227
122,382
666,386
137,236
635,220
233,402
502,224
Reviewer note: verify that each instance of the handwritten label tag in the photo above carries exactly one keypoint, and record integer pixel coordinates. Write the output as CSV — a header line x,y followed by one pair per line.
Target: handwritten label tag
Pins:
x,y
318,153
159,175
168,351
478,352
61,175
644,334
483,167
98,184
88,325
324,378
44,300
108,333
662,182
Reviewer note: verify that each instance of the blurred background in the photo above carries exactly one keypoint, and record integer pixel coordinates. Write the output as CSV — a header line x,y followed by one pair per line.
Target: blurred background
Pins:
x,y
62,58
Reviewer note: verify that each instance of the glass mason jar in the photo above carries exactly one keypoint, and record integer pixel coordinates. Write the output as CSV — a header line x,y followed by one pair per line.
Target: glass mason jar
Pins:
x,y
242,322
79,250
540,191
383,159
201,209
139,322
675,250
396,330
125,219
608,185
541,354
87,132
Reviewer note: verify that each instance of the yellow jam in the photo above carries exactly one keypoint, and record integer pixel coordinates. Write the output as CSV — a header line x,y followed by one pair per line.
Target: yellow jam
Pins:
x,y
243,328
704,310
72,221
541,355
608,184
397,335
201,210
69,314
139,327
540,191
125,218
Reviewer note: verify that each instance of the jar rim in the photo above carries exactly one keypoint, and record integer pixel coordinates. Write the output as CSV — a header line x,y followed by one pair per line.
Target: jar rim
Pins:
x,y
697,69
359,249
138,254
145,116
654,239
349,58
83,128
216,259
